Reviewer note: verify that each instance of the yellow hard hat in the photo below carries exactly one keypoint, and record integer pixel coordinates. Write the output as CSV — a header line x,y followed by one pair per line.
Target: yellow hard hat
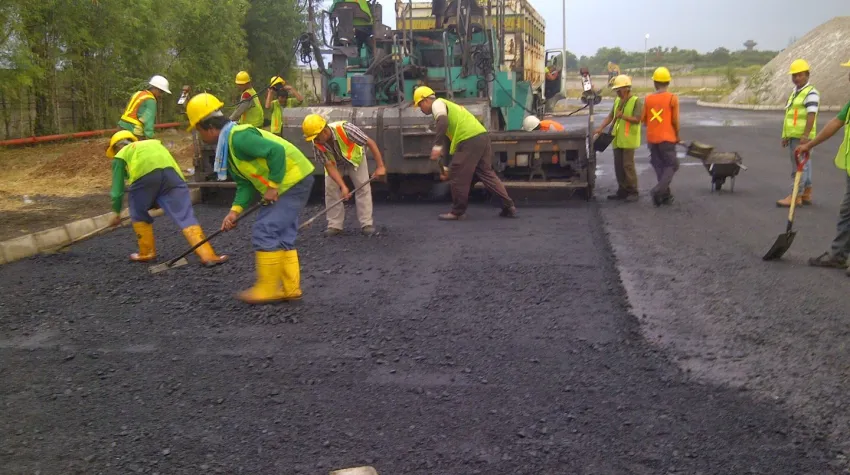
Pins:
x,y
313,124
420,93
846,65
798,66
277,80
117,137
242,77
662,74
621,81
201,106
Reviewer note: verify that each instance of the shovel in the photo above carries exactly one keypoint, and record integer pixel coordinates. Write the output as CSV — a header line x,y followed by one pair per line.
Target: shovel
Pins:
x,y
697,150
784,241
327,208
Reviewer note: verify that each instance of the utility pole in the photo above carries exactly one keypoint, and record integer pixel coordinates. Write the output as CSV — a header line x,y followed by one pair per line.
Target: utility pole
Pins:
x,y
564,72
645,46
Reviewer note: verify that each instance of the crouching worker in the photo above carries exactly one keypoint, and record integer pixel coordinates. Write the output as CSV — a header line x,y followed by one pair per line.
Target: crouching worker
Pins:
x,y
532,123
260,162
154,178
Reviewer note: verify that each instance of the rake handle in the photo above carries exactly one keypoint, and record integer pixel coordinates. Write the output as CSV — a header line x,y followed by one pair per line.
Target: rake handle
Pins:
x,y
328,208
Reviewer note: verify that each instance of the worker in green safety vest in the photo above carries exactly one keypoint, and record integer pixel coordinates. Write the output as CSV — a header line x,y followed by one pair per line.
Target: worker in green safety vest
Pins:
x,y
277,98
837,256
626,115
800,126
139,116
265,164
469,146
250,111
154,178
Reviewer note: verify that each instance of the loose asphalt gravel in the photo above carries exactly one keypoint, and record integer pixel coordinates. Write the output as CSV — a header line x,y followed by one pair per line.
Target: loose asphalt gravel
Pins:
x,y
484,346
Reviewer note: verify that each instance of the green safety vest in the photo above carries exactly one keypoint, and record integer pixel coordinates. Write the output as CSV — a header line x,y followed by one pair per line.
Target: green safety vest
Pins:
x,y
277,118
842,159
462,124
253,116
795,116
256,171
145,156
351,152
626,134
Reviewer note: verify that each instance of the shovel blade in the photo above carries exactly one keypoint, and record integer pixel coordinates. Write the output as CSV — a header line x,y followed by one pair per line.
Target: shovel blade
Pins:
x,y
164,267
782,244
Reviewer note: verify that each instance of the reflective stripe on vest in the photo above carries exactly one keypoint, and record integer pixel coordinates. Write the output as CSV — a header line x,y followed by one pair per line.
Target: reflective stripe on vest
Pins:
x,y
145,156
462,125
796,115
842,158
626,136
253,116
351,152
131,113
277,118
256,171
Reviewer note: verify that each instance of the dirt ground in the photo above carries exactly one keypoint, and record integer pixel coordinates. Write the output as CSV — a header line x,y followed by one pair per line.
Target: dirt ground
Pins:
x,y
49,185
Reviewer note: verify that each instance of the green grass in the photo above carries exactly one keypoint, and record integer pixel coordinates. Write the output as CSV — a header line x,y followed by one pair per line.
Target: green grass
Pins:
x,y
705,94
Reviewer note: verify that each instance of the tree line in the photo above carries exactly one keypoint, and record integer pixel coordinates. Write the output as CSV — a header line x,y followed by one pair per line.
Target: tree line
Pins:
x,y
670,57
96,53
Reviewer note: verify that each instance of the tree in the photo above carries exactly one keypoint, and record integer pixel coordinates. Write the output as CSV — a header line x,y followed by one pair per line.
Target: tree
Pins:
x,y
271,27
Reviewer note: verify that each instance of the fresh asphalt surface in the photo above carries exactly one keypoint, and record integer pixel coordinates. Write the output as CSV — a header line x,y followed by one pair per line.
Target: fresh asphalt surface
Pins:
x,y
580,338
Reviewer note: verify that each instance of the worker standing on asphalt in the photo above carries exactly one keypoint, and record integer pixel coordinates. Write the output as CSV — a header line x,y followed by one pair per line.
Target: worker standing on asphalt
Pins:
x,y
139,116
339,146
154,177
803,102
260,162
470,149
626,115
661,116
249,111
836,257
277,98
532,123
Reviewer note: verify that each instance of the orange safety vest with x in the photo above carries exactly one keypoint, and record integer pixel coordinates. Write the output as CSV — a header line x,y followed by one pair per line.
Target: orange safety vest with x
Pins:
x,y
351,152
659,110
131,113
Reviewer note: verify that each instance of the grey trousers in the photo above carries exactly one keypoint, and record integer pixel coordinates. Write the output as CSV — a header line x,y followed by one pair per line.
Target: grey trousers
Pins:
x,y
662,157
841,243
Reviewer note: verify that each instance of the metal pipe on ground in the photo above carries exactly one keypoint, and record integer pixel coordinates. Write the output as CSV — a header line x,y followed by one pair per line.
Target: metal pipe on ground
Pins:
x,y
76,135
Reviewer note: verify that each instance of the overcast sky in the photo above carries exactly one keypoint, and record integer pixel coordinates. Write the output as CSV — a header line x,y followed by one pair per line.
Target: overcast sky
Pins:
x,y
690,24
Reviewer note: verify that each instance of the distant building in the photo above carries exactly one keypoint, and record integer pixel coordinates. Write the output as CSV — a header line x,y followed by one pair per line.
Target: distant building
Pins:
x,y
750,45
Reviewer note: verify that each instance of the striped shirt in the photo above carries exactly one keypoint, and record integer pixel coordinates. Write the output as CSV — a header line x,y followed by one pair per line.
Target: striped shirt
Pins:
x,y
812,102
333,152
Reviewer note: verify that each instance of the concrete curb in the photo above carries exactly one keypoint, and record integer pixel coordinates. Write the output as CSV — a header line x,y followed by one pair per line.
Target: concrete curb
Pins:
x,y
748,107
35,243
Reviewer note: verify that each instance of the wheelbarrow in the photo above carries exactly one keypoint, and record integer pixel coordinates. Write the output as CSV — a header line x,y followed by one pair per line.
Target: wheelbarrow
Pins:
x,y
723,165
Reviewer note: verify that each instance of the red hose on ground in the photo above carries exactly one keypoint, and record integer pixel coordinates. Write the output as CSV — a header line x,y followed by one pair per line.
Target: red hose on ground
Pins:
x,y
75,135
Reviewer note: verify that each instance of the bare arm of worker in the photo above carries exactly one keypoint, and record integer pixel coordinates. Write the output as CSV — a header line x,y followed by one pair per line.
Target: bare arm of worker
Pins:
x,y
269,97
831,128
294,92
810,122
336,176
380,170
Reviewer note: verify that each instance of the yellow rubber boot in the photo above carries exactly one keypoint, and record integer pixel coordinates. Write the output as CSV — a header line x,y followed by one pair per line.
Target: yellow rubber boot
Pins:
x,y
144,234
268,288
291,275
807,196
786,202
194,234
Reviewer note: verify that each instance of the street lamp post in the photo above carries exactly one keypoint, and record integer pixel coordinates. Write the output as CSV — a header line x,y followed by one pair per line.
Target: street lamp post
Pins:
x,y
645,46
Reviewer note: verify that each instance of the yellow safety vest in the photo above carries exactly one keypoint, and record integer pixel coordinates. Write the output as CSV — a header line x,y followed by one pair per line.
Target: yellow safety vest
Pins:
x,y
842,159
145,156
626,134
462,125
131,113
253,116
256,171
351,152
794,125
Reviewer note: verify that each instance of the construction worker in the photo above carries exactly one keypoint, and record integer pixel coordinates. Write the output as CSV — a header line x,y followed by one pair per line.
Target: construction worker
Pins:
x,y
837,256
626,115
277,98
803,102
260,162
139,116
532,123
661,116
249,111
339,145
469,145
153,177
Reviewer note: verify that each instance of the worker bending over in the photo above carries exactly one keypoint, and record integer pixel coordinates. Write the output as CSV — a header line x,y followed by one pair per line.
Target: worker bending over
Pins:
x,y
470,149
626,115
154,177
532,123
260,162
836,257
277,98
799,127
661,116
249,110
339,146
139,116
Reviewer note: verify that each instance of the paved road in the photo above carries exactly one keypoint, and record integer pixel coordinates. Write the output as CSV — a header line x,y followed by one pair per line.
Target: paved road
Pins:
x,y
485,346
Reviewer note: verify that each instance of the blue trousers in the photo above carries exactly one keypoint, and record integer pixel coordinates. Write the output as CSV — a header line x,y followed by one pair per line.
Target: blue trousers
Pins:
x,y
165,188
806,178
276,226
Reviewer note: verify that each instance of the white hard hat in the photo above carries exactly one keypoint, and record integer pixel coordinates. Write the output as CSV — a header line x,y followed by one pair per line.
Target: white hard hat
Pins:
x,y
160,83
530,123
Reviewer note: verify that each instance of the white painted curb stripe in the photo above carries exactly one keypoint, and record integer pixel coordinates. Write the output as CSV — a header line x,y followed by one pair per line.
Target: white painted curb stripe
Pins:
x,y
748,107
